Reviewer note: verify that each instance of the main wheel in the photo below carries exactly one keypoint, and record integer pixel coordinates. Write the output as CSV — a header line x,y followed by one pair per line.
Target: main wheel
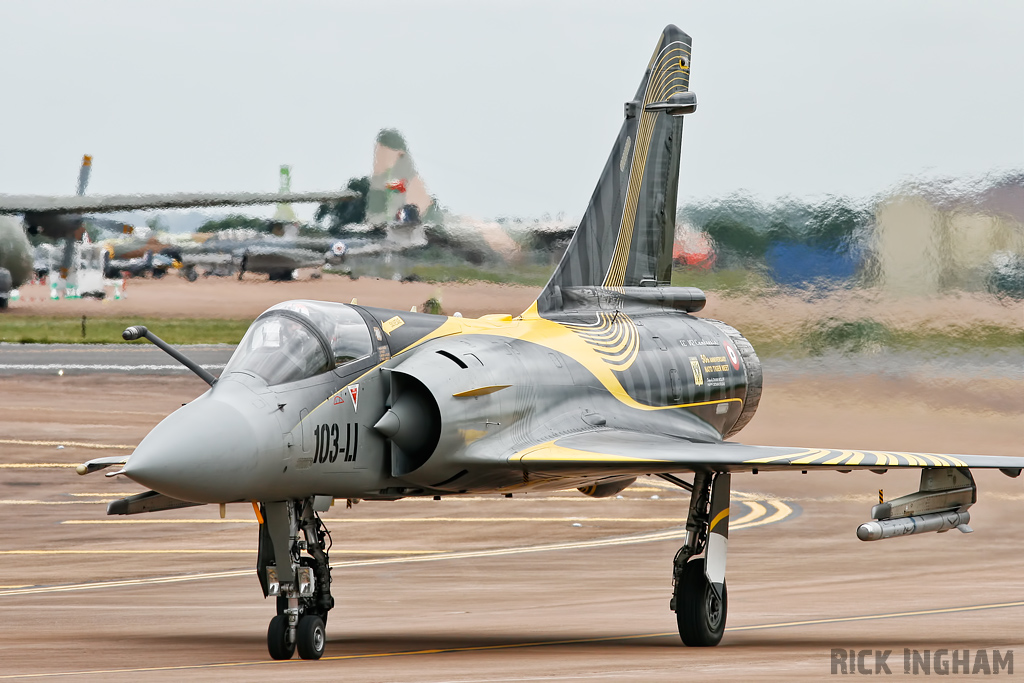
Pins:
x,y
311,637
700,615
277,638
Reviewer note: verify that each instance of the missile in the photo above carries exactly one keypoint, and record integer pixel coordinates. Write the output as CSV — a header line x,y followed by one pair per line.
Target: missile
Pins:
x,y
918,524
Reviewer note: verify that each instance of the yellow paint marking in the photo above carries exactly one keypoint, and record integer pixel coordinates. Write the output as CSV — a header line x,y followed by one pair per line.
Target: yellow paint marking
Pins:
x,y
905,460
855,460
807,460
718,518
776,458
34,465
837,460
76,444
392,324
781,512
296,663
481,391
756,512
913,459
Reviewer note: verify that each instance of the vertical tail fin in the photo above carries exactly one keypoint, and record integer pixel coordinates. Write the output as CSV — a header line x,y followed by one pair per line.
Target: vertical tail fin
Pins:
x,y
83,174
285,213
625,237
396,189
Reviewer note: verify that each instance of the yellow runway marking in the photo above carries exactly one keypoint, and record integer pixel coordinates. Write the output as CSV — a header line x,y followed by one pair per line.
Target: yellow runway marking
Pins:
x,y
781,512
511,646
674,533
76,444
756,511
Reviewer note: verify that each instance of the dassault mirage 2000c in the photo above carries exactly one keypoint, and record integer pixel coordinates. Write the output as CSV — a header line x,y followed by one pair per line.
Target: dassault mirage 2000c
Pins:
x,y
607,376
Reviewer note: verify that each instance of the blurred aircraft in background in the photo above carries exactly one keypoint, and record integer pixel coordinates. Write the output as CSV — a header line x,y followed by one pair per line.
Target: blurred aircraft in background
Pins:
x,y
62,218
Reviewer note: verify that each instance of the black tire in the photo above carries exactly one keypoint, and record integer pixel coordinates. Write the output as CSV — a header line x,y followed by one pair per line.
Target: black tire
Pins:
x,y
277,638
700,615
311,637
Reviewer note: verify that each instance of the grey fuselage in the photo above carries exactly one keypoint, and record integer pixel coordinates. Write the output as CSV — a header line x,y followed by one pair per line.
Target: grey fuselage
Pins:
x,y
463,396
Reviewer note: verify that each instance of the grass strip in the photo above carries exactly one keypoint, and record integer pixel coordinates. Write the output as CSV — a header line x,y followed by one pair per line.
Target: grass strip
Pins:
x,y
104,330
828,334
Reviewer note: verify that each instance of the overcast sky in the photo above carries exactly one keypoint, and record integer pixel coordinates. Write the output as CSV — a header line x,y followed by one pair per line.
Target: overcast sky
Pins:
x,y
508,108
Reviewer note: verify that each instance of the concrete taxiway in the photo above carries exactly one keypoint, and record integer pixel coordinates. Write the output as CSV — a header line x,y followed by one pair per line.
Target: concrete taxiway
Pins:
x,y
559,587
48,359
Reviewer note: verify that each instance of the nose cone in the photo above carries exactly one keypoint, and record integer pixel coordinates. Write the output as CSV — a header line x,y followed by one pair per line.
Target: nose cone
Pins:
x,y
204,452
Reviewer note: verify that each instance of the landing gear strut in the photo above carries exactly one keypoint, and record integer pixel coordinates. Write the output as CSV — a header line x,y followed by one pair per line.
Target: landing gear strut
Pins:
x,y
301,583
699,596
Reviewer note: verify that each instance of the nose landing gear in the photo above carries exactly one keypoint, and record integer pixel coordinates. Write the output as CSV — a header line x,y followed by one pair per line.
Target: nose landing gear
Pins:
x,y
301,583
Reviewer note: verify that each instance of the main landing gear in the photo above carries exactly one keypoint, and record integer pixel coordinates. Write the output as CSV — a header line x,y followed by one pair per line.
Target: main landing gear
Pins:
x,y
300,582
699,596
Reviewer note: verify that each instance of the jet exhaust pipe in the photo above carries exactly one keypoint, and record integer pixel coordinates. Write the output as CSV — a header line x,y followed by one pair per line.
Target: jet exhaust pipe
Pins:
x,y
918,524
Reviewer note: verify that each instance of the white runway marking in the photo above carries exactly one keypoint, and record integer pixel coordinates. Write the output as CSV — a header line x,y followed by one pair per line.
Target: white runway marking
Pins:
x,y
77,444
780,511
509,646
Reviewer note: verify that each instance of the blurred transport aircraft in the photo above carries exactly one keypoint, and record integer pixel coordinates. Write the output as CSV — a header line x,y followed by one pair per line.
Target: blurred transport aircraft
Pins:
x,y
62,218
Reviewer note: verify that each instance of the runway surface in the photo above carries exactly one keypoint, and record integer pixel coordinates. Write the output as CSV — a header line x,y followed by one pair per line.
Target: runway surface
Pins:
x,y
46,359
535,588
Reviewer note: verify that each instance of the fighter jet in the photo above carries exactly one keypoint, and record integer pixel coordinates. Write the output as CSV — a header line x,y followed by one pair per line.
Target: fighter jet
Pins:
x,y
606,377
243,250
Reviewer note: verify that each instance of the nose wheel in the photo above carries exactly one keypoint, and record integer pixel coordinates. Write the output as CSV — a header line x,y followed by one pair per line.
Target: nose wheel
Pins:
x,y
300,582
278,643
310,637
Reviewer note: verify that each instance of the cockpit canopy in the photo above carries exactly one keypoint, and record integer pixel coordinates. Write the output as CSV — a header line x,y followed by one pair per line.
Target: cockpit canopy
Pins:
x,y
299,339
